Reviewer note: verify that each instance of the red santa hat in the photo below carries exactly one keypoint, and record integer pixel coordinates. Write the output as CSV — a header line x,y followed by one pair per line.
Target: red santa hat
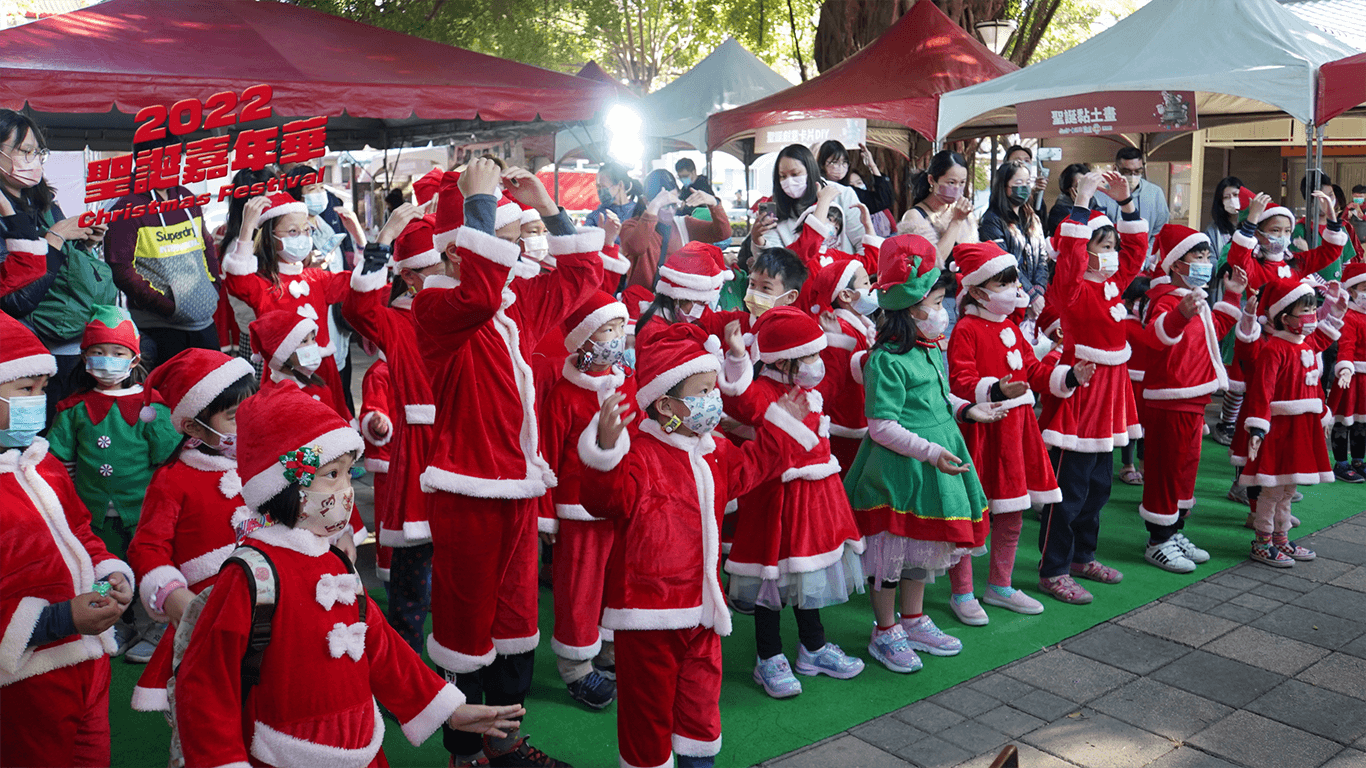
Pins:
x,y
424,189
667,357
1098,219
818,295
636,298
111,325
283,437
21,354
450,211
281,204
1280,293
785,333
1276,210
509,212
1175,241
413,249
597,311
275,335
979,262
529,214
694,272
1353,274
190,381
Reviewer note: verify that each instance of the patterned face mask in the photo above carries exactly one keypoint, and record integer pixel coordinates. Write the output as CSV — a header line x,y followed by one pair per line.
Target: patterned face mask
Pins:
x,y
704,411
325,514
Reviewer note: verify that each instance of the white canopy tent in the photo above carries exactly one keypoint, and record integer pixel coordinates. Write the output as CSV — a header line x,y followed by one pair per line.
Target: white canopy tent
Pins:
x,y
1245,60
729,76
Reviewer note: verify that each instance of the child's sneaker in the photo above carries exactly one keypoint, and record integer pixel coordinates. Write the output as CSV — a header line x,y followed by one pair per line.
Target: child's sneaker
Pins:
x,y
775,675
1293,550
925,636
1222,434
1359,465
593,691
1066,589
893,649
1266,552
1168,556
142,650
691,761
1096,572
125,637
1012,600
968,610
829,660
608,671
1192,552
522,755
1237,492
1296,499
1344,472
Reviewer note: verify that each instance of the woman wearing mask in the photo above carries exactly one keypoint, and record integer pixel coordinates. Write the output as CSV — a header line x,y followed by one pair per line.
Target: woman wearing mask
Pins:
x,y
1014,225
796,182
874,190
655,229
1223,212
56,303
1067,197
941,212
617,192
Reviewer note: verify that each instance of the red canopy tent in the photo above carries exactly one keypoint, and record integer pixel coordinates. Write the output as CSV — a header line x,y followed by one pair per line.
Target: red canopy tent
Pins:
x,y
1342,86
896,80
84,74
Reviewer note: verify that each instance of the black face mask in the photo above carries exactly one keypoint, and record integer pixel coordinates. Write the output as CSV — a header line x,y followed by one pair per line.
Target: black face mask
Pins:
x,y
605,196
1018,193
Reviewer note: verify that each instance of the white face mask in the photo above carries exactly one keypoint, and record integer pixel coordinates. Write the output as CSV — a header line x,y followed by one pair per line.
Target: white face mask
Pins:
x,y
325,514
310,356
794,186
316,202
693,313
933,326
537,246
810,374
1001,302
704,411
949,192
865,303
1231,206
1276,245
295,249
1359,303
1108,262
611,352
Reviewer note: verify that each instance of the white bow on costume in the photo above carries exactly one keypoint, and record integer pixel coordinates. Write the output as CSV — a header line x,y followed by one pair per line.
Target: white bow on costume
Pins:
x,y
349,640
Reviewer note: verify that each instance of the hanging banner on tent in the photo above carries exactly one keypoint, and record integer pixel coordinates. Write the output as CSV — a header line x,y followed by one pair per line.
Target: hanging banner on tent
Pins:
x,y
1097,114
848,131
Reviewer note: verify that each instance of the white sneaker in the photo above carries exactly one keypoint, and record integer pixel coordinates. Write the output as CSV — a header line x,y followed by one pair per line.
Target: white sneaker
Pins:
x,y
1194,553
1169,557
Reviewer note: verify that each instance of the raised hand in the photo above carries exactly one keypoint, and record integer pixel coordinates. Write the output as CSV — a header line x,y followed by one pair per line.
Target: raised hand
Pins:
x,y
479,178
612,420
1012,389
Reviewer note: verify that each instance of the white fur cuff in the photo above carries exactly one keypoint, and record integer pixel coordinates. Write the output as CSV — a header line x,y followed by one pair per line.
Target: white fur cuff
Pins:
x,y
240,260
437,711
594,456
365,282
586,240
495,249
1057,382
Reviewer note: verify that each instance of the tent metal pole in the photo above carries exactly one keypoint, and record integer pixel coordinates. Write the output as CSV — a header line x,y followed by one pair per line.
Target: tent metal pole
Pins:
x,y
1312,174
557,182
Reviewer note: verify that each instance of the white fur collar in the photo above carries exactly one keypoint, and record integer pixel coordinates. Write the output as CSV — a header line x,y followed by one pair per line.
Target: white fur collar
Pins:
x,y
136,389
604,384
704,444
285,268
297,539
14,458
404,302
855,319
1293,338
207,462
978,311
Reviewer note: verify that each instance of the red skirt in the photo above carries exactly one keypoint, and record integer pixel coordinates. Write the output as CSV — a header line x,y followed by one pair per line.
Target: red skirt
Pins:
x,y
1349,405
1097,418
798,526
1012,462
1294,452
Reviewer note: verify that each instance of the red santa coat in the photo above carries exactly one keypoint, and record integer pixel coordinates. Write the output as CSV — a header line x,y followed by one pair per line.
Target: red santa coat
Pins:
x,y
477,338
1186,365
377,407
1139,361
799,522
26,262
1246,347
1010,455
320,675
48,555
1101,415
1348,405
810,246
842,387
1285,400
1245,252
184,535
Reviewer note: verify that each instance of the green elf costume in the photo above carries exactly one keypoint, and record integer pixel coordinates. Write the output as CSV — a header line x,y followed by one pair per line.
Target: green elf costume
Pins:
x,y
112,443
918,521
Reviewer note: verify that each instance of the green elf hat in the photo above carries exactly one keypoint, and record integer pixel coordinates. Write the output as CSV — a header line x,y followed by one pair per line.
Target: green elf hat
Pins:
x,y
111,325
906,271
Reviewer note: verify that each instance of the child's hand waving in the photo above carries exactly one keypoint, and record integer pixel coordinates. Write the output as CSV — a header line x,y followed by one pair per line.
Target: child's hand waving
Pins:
x,y
795,403
612,420
494,721
1236,281
735,341
950,464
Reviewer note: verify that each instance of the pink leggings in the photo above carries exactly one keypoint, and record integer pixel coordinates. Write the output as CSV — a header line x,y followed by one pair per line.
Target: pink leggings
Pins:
x,y
1005,537
1272,512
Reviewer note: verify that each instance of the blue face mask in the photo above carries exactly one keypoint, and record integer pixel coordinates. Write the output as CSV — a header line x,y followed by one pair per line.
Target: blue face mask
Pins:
x,y
1199,274
316,202
108,370
630,357
27,417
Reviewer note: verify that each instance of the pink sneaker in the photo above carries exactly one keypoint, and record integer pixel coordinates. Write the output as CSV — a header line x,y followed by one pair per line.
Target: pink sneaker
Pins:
x,y
1097,572
1292,550
1066,589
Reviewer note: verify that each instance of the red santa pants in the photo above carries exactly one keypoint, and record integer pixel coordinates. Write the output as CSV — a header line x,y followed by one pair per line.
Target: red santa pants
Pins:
x,y
668,695
483,580
1169,468
59,718
580,565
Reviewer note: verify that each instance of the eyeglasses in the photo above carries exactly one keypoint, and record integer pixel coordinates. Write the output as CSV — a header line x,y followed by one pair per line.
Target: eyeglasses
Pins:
x,y
28,155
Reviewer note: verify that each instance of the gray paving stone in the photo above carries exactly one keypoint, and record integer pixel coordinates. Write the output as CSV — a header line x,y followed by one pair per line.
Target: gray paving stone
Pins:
x,y
1010,721
1099,741
1255,604
1263,649
1353,579
1339,672
1249,739
1356,648
844,751
1310,626
1068,675
1216,591
888,733
965,701
1353,533
1001,687
1335,601
1235,613
1337,549
932,753
1214,677
1347,758
1160,708
1244,576
928,716
1291,580
1029,757
1044,705
1189,757
1272,591
1192,600
1321,569
1316,710
1179,624
1126,649
973,736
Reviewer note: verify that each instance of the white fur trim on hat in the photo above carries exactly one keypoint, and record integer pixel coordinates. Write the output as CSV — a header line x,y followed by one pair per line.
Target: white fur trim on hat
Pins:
x,y
1354,280
1276,210
690,280
706,296
507,213
660,385
1096,222
792,353
584,240
1291,296
24,367
590,324
1182,248
270,481
292,341
419,260
529,215
282,210
211,386
994,266
846,277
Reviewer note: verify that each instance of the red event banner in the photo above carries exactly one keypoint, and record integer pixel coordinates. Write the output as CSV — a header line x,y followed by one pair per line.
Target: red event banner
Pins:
x,y
1096,114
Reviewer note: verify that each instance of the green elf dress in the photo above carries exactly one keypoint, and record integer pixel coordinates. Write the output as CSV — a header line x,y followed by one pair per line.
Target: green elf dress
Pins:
x,y
917,521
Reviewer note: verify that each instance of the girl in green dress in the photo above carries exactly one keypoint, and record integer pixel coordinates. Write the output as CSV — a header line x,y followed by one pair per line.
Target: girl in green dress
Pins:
x,y
920,506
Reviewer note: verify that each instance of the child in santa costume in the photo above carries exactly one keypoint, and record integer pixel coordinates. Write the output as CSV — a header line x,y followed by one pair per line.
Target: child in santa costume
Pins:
x,y
688,287
665,489
796,542
485,470
1261,246
327,666
920,506
186,529
266,270
1136,306
377,428
821,228
844,288
288,346
1097,259
1347,399
1185,368
1285,411
595,338
56,621
383,314
989,362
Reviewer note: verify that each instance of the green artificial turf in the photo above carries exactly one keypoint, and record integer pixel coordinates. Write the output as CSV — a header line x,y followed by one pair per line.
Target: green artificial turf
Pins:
x,y
757,728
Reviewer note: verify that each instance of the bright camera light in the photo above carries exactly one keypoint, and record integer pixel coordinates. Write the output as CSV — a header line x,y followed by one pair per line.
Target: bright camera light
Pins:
x,y
622,120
